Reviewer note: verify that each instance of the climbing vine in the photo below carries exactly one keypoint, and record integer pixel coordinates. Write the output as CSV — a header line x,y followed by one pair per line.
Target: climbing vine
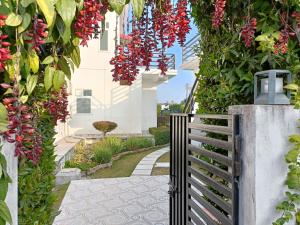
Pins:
x,y
239,38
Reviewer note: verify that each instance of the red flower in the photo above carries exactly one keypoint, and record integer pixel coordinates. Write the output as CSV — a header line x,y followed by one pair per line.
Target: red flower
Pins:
x,y
248,31
219,12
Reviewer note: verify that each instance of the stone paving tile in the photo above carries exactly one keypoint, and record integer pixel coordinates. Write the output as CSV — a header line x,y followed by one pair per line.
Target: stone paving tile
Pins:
x,y
149,160
136,200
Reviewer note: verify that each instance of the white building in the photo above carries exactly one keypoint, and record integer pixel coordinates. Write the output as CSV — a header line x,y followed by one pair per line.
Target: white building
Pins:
x,y
95,97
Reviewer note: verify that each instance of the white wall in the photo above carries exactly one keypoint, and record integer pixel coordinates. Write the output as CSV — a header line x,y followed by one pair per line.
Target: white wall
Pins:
x,y
12,168
265,131
133,107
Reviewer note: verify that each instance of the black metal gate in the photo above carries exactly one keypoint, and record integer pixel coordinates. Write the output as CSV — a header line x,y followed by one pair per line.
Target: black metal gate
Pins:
x,y
204,169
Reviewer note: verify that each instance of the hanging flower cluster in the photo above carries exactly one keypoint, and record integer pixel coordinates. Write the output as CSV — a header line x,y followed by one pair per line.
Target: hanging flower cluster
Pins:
x,y
282,45
248,32
158,28
58,105
296,15
20,129
182,21
37,34
87,23
4,45
219,13
127,58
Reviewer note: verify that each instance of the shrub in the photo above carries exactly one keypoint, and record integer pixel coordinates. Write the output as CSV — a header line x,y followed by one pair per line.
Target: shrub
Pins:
x,y
114,143
83,166
161,135
101,153
105,126
134,143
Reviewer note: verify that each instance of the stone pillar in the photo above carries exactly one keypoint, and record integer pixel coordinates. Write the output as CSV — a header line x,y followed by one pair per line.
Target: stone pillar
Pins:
x,y
12,168
265,132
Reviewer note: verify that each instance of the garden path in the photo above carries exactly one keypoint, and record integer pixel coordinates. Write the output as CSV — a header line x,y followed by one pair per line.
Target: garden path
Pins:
x,y
145,166
136,200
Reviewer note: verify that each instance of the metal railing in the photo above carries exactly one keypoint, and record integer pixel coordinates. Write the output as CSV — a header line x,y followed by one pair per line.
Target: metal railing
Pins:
x,y
171,63
190,102
188,50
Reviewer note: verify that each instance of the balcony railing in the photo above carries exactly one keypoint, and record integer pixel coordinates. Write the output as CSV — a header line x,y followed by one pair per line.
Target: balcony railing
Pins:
x,y
170,63
189,49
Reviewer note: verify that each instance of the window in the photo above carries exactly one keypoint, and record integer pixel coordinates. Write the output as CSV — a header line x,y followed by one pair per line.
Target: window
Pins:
x,y
87,92
83,105
104,41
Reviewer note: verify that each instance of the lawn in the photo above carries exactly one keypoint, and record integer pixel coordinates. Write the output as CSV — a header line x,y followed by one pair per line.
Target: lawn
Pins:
x,y
60,192
162,171
124,166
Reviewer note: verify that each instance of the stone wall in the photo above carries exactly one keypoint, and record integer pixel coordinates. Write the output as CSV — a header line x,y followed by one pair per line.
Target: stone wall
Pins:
x,y
265,131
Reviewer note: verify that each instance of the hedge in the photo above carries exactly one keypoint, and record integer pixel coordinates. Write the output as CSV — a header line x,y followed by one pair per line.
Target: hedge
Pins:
x,y
161,135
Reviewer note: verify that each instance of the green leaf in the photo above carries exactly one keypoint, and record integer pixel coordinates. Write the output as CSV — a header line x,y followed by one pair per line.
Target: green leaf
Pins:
x,y
25,23
3,118
13,20
49,59
48,79
293,178
31,83
293,87
264,59
33,61
64,66
75,56
3,188
67,10
117,5
1,172
24,98
4,212
292,156
48,10
26,3
58,79
138,7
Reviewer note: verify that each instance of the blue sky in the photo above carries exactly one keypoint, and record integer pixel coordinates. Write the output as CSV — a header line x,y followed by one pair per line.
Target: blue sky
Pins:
x,y
175,89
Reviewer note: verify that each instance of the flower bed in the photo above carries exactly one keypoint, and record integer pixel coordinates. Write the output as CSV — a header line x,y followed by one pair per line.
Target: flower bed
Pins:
x,y
101,154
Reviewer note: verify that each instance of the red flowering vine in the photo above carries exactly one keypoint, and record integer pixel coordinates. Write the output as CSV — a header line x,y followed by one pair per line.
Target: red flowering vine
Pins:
x,y
248,31
182,21
219,13
57,105
37,34
87,22
282,45
21,130
4,45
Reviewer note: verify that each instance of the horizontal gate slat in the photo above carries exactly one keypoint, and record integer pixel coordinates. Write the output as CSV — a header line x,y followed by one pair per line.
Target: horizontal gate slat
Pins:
x,y
210,182
195,218
208,220
211,141
213,197
213,116
213,169
216,156
211,128
216,213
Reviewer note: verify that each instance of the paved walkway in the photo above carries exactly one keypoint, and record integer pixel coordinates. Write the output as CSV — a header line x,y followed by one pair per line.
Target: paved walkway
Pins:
x,y
133,200
144,168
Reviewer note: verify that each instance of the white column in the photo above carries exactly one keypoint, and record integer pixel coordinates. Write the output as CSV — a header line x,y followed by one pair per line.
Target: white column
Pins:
x,y
12,168
265,132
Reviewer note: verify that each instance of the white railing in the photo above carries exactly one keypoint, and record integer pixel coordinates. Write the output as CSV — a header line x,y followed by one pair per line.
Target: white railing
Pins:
x,y
189,49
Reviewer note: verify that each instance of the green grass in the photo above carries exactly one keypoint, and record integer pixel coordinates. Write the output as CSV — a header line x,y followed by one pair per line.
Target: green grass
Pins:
x,y
60,192
124,166
162,171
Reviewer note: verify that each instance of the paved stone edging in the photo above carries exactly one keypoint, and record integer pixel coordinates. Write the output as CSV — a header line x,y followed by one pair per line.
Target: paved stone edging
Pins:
x,y
145,166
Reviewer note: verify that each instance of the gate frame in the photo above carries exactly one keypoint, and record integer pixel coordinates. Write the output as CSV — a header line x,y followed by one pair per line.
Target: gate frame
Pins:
x,y
178,186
